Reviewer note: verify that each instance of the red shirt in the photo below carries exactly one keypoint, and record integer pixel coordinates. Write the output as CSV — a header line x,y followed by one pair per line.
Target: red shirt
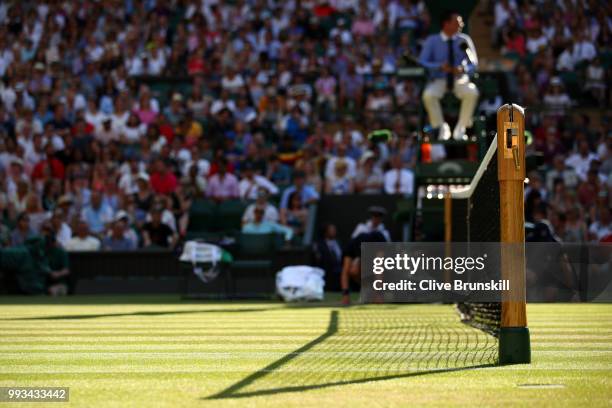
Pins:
x,y
163,183
167,131
56,168
195,66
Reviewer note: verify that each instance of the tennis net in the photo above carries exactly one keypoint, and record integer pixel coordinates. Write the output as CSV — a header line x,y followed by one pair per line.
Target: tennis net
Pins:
x,y
475,217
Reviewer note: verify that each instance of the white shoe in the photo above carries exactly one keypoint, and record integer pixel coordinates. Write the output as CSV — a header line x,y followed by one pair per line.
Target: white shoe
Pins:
x,y
444,133
459,133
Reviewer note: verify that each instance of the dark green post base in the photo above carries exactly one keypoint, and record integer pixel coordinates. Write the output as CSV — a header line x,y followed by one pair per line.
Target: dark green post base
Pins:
x,y
514,345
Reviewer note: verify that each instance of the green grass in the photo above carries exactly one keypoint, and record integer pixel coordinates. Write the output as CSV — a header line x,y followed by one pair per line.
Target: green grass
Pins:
x,y
159,351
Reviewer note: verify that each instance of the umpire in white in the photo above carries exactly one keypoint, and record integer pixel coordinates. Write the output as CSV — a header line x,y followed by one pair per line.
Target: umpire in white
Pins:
x,y
450,58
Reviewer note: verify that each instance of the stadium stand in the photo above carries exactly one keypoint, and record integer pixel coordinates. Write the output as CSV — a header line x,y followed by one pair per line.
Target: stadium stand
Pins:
x,y
139,103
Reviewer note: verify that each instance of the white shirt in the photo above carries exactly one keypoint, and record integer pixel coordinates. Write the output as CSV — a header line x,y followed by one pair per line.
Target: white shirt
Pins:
x,y
599,230
566,61
76,244
580,164
366,228
270,214
534,44
64,235
331,165
584,50
248,188
127,183
406,179
232,84
356,137
94,119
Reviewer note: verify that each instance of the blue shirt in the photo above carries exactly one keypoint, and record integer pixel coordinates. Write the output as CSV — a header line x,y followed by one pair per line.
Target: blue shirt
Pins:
x,y
97,218
123,244
308,194
435,53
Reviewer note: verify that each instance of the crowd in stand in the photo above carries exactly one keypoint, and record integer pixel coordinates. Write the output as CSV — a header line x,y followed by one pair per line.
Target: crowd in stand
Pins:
x,y
281,97
563,55
275,92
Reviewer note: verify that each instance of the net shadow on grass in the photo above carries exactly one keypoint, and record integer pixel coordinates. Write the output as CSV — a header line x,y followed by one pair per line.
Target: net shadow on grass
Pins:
x,y
139,314
365,345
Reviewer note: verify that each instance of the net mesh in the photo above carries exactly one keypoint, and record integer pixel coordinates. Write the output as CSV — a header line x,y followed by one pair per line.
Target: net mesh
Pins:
x,y
476,219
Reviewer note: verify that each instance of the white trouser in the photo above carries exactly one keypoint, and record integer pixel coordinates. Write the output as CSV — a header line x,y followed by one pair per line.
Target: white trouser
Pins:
x,y
463,89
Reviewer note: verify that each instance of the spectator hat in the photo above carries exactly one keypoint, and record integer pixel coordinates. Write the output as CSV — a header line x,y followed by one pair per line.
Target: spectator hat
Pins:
x,y
122,215
377,210
65,199
556,81
143,177
177,97
367,155
39,66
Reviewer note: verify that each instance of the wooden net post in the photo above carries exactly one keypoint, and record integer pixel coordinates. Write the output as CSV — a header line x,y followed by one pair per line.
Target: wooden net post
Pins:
x,y
514,344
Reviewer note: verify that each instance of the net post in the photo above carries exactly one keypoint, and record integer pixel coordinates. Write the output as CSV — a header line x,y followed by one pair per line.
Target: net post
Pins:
x,y
514,343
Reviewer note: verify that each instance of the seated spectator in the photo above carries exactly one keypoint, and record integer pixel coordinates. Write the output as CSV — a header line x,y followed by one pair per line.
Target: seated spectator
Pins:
x,y
129,232
398,180
589,189
536,40
35,211
270,211
82,240
601,228
22,230
295,215
306,193
380,100
295,125
97,214
49,167
326,89
555,98
581,160
117,240
251,183
193,183
156,233
18,199
596,80
340,182
575,228
143,198
370,179
163,180
60,228
166,205
223,185
341,154
514,42
259,226
278,172
584,49
313,177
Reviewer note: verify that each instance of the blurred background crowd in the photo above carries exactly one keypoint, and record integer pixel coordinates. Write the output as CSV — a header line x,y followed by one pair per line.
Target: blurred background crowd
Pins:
x,y
281,97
